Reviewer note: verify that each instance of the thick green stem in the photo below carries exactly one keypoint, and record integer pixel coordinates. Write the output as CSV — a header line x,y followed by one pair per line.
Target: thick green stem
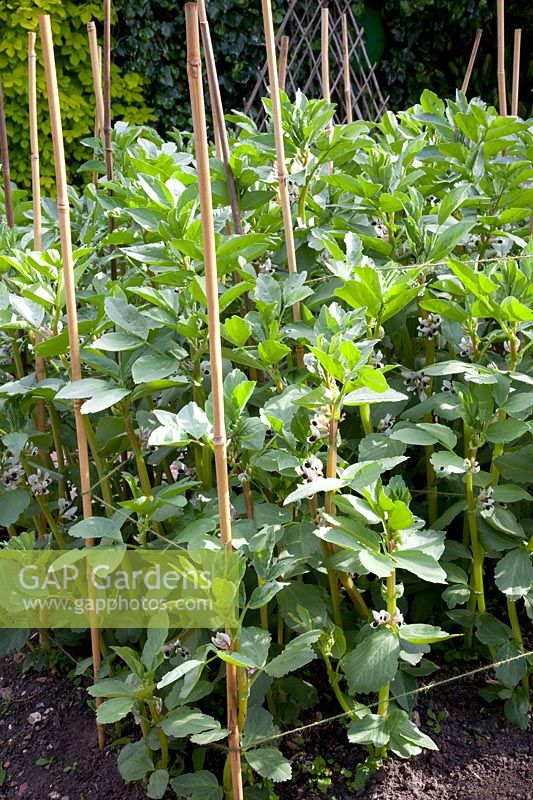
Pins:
x,y
517,636
334,683
102,477
142,471
384,692
366,419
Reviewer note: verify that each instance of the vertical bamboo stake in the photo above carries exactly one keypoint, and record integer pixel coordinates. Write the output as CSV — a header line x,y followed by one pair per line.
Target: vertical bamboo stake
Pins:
x,y
502,96
472,60
346,69
97,78
280,154
516,71
108,150
218,116
283,57
34,142
36,198
4,152
208,236
63,211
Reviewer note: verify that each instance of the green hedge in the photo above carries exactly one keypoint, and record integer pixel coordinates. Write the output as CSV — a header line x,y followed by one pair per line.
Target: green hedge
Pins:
x,y
428,44
69,19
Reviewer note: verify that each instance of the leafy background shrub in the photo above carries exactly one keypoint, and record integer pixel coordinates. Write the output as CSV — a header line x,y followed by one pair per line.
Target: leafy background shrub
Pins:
x,y
428,43
69,20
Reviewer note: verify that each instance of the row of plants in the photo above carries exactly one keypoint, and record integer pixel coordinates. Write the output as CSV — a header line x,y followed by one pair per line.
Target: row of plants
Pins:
x,y
379,448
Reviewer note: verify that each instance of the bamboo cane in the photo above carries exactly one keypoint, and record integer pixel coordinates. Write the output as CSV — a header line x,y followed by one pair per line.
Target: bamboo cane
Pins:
x,y
516,71
283,57
36,200
208,236
280,154
346,69
63,211
97,78
108,149
218,116
472,60
4,153
108,152
502,96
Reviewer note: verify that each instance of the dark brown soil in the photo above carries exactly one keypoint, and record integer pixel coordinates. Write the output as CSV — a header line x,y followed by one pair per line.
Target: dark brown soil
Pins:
x,y
481,756
66,736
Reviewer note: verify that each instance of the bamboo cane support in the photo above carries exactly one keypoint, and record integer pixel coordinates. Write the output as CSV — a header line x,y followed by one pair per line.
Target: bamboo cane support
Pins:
x,y
346,69
472,60
283,57
218,116
208,236
36,200
502,95
108,151
6,172
63,211
280,154
516,71
97,78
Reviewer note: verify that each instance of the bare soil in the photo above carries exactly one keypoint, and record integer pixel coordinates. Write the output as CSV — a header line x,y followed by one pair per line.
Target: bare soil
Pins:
x,y
481,756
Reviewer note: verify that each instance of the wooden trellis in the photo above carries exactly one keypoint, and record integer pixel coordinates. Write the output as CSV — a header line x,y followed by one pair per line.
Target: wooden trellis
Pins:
x,y
303,27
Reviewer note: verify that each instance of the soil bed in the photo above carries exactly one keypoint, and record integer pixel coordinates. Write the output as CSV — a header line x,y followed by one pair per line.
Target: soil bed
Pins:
x,y
481,756
66,735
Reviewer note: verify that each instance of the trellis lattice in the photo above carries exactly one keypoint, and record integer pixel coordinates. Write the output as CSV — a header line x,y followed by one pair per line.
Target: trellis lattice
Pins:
x,y
302,24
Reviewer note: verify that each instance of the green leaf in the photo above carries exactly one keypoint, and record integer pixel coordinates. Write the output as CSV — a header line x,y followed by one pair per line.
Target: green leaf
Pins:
x,y
237,330
446,241
201,785
133,762
514,573
178,672
104,400
269,763
263,594
126,317
87,387
186,721
96,528
517,466
491,631
113,710
296,654
370,729
511,673
12,505
116,342
506,430
446,463
310,489
373,662
271,351
153,368
377,563
420,564
365,396
157,785
399,518
422,634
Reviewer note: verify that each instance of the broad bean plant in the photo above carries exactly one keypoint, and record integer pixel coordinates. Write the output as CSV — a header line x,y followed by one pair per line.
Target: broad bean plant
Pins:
x,y
380,493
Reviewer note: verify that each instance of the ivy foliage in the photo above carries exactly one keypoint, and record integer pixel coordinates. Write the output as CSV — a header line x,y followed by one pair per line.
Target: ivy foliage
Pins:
x,y
151,41
69,20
